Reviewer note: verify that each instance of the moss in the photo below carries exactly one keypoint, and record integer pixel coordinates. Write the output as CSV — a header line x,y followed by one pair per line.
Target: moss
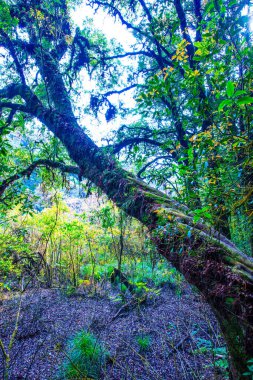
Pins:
x,y
156,197
234,337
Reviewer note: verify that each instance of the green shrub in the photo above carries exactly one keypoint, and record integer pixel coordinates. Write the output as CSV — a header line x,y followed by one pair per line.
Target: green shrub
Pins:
x,y
85,357
99,271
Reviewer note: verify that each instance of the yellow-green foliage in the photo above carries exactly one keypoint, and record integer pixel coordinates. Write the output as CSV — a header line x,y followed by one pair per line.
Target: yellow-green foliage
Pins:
x,y
72,245
60,247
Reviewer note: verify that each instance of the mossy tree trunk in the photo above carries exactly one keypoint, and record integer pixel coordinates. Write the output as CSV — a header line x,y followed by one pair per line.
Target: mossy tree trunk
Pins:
x,y
208,260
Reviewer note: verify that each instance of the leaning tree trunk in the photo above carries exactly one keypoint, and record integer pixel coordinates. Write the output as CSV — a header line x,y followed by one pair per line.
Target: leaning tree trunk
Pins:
x,y
211,262
222,273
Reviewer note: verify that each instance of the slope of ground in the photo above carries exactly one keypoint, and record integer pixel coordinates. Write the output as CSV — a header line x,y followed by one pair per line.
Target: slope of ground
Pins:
x,y
184,339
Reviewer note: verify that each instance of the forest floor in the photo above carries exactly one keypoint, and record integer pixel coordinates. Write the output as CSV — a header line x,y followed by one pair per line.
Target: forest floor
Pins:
x,y
184,338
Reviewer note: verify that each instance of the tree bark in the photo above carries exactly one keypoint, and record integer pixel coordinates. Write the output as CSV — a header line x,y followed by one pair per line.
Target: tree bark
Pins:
x,y
208,260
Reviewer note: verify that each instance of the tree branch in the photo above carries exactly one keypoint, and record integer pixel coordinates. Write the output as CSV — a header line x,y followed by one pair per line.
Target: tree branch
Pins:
x,y
128,54
120,91
197,9
116,12
135,140
7,43
150,163
183,26
158,45
14,107
33,105
28,171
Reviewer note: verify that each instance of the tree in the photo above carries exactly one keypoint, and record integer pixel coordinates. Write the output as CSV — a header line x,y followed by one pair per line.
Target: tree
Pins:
x,y
42,59
193,74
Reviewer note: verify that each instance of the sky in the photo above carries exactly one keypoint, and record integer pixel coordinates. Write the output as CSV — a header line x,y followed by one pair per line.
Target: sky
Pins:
x,y
104,22
100,129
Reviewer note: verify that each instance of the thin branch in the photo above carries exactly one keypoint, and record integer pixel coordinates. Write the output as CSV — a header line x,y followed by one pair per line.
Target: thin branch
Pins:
x,y
8,44
120,91
183,26
150,163
28,171
33,105
8,121
128,54
197,9
135,140
10,118
159,46
146,10
116,12
4,353
180,343
14,107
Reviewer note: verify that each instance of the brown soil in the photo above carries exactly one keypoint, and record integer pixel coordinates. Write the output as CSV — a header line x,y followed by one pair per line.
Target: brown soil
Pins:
x,y
178,326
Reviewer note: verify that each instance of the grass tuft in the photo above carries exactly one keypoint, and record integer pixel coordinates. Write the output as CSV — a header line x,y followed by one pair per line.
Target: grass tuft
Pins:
x,y
85,357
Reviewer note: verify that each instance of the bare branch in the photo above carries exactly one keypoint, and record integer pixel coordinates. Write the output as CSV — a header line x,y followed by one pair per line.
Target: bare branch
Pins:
x,y
131,141
120,91
28,171
128,54
150,163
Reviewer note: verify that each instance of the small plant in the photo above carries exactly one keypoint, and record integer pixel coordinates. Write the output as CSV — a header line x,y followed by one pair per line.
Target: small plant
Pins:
x,y
85,357
219,354
144,342
249,373
221,360
204,346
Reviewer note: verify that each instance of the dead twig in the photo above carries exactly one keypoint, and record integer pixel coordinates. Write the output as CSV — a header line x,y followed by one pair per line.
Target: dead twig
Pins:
x,y
131,304
179,344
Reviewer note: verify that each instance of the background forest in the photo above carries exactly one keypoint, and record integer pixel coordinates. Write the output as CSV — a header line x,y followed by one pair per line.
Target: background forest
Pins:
x,y
169,101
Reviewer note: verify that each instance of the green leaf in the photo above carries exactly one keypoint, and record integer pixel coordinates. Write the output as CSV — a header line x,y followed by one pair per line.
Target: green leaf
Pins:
x,y
209,7
198,44
231,3
240,92
229,300
226,102
230,89
245,100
